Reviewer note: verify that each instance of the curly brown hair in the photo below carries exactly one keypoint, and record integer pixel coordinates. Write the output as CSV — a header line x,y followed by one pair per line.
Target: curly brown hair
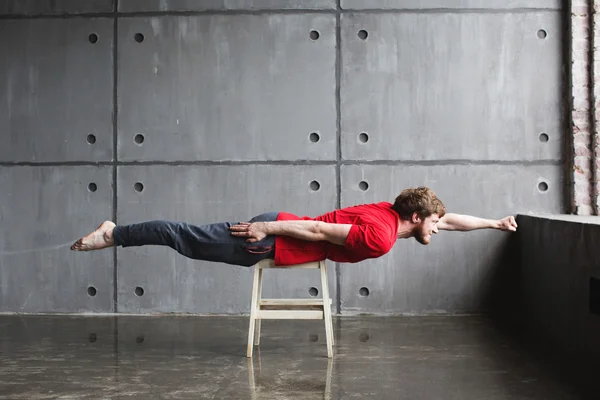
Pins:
x,y
421,200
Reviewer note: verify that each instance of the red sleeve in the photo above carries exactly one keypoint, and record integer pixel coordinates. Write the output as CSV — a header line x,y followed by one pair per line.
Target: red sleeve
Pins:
x,y
368,241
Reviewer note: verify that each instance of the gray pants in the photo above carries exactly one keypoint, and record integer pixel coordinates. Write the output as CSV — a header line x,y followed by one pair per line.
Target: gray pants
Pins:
x,y
212,242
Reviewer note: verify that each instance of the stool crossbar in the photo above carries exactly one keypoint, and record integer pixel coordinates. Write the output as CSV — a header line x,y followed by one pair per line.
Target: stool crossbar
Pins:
x,y
288,308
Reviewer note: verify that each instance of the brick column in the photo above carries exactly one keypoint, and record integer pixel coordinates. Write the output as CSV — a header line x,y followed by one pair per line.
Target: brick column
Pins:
x,y
584,198
594,35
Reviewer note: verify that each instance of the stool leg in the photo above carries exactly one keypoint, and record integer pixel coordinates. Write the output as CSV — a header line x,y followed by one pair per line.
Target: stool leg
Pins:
x,y
253,309
326,309
258,321
331,327
329,308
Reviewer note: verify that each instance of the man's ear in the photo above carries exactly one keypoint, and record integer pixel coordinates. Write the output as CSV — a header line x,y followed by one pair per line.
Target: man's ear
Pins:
x,y
415,219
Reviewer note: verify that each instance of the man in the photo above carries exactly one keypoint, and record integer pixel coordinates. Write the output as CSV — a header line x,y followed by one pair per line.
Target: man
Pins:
x,y
350,234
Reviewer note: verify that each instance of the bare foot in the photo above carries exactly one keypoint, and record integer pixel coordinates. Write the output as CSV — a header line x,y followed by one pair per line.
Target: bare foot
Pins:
x,y
101,238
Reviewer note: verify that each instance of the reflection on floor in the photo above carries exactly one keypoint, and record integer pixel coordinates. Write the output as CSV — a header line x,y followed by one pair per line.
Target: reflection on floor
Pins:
x,y
192,357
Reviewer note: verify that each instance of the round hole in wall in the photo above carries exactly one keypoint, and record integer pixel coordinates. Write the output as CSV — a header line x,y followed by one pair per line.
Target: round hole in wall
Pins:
x,y
314,186
543,137
542,186
92,337
93,38
362,34
364,337
314,137
139,291
138,37
138,187
92,291
314,35
313,291
363,185
92,187
313,337
542,34
139,138
363,291
363,137
91,139
139,339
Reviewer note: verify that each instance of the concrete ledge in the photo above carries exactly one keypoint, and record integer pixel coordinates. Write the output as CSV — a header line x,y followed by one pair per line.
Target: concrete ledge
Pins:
x,y
580,219
545,291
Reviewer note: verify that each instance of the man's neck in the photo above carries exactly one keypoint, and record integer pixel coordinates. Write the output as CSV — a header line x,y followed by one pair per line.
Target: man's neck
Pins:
x,y
405,229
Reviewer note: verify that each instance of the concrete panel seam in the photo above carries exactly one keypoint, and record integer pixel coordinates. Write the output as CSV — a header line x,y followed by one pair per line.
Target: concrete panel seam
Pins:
x,y
150,14
338,102
56,164
57,16
147,14
274,163
450,10
115,152
453,162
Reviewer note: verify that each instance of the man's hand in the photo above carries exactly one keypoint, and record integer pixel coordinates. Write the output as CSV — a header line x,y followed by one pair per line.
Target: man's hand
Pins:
x,y
255,231
508,224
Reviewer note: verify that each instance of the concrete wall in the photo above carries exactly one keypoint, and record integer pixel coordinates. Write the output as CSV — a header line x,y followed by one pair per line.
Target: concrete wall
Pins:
x,y
226,109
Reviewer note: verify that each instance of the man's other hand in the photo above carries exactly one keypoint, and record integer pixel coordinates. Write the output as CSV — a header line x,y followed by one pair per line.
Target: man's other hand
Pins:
x,y
254,232
508,224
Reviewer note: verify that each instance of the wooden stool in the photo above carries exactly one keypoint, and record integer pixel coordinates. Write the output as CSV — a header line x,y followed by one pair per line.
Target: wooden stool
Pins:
x,y
288,308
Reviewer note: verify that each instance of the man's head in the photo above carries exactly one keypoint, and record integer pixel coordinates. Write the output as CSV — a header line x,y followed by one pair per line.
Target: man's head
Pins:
x,y
421,207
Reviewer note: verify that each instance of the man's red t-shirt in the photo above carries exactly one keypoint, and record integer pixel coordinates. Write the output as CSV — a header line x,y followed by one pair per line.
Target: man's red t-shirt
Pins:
x,y
373,233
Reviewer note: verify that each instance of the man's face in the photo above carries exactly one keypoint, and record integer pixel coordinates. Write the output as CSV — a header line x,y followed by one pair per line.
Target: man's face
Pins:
x,y
426,228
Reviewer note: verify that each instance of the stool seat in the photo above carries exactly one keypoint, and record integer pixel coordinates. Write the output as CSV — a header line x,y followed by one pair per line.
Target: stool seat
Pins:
x,y
289,308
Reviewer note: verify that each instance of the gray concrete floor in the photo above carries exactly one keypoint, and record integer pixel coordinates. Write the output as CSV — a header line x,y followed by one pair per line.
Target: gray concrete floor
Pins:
x,y
192,357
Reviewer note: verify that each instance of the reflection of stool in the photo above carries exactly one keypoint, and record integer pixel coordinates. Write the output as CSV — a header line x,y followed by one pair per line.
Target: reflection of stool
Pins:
x,y
261,382
288,308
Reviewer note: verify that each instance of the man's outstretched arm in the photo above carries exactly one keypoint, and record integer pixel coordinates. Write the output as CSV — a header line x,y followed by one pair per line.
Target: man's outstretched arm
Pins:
x,y
458,222
312,231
